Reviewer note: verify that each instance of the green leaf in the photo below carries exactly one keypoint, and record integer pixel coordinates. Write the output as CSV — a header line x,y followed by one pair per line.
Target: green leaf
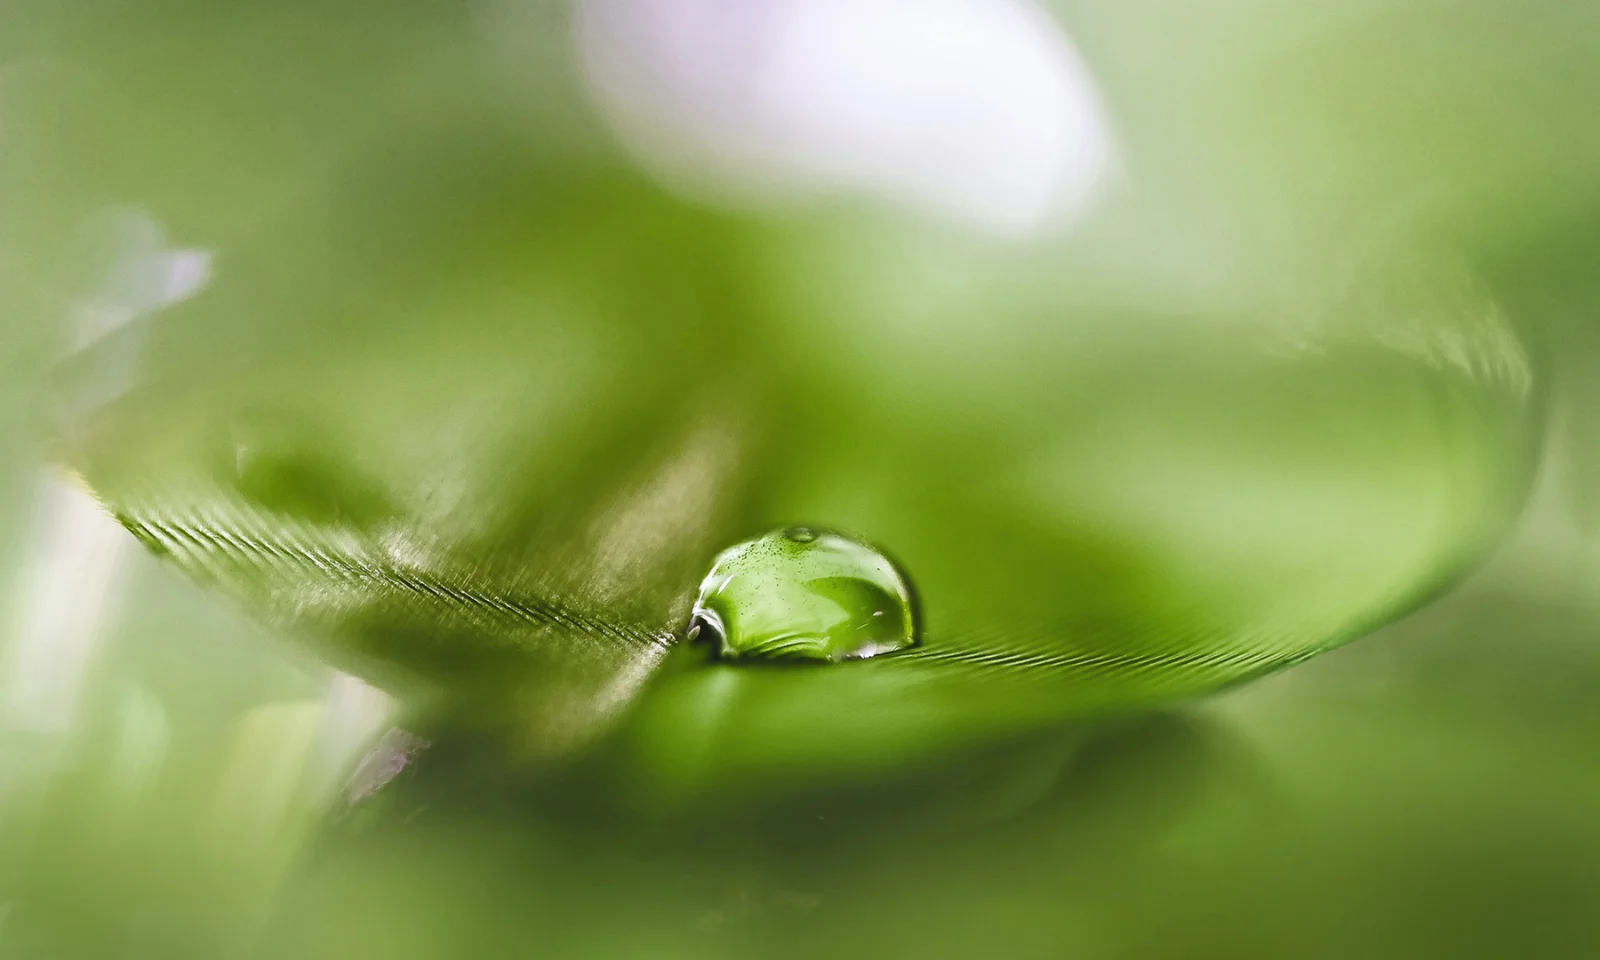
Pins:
x,y
470,409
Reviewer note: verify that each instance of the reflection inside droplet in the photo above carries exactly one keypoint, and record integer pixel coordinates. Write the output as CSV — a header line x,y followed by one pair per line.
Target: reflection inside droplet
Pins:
x,y
802,593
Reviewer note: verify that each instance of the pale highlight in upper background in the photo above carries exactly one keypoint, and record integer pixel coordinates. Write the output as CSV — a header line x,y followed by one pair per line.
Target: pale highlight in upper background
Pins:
x,y
975,110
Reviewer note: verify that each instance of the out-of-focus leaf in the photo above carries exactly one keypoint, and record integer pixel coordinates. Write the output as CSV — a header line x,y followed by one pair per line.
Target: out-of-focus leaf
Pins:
x,y
471,405
491,483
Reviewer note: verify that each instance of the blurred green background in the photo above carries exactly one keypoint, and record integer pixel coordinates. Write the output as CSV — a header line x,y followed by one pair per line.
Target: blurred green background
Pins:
x,y
380,381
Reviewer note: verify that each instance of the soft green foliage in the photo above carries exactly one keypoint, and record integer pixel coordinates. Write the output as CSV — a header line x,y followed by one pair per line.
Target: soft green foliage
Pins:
x,y
469,488
473,415
472,404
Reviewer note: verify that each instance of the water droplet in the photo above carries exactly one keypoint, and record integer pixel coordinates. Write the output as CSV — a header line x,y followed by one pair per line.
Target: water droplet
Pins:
x,y
804,594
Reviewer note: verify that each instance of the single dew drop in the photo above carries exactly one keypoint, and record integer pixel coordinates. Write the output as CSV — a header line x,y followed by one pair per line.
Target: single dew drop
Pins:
x,y
804,593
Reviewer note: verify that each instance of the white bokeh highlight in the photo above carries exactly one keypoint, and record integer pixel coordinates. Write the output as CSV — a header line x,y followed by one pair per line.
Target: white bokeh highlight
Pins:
x,y
68,580
977,110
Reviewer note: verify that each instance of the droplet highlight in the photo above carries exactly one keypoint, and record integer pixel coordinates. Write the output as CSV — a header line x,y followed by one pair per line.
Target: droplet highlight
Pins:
x,y
804,593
